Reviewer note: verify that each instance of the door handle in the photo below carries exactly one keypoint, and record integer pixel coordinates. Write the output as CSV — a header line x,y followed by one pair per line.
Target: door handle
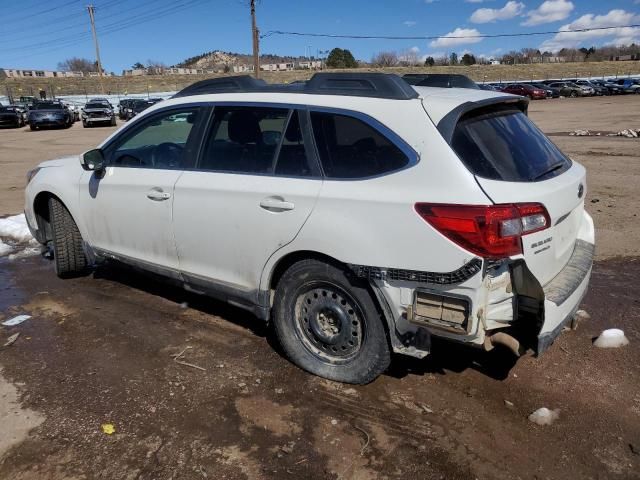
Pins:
x,y
157,195
276,204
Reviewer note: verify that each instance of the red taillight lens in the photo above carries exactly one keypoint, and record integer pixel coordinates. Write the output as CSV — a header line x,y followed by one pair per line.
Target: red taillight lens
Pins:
x,y
492,231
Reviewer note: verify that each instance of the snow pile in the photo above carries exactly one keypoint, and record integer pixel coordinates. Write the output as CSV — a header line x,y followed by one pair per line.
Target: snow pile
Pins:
x,y
14,233
15,228
612,338
5,249
627,132
544,416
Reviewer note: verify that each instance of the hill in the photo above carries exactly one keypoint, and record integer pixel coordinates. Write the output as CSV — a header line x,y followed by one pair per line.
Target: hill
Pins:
x,y
164,83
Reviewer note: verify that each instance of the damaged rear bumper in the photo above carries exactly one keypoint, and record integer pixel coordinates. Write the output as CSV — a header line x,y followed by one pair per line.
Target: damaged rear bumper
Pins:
x,y
564,293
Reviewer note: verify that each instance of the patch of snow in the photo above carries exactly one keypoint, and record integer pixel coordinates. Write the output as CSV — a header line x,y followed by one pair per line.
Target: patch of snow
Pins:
x,y
27,252
544,416
612,338
15,228
5,249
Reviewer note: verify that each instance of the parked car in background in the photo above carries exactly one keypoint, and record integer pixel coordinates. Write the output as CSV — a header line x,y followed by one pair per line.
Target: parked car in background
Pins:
x,y
525,90
98,113
488,87
74,110
567,89
13,116
49,114
123,106
550,92
495,246
612,88
441,80
597,89
138,106
629,85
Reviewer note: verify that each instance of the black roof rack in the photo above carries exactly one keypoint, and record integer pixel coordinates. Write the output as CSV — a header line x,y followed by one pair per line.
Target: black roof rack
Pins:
x,y
376,85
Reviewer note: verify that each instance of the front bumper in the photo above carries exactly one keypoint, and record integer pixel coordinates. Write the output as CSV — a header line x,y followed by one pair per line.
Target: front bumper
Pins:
x,y
48,122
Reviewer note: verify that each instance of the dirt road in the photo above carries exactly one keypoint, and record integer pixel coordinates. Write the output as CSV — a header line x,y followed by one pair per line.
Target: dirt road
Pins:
x,y
100,350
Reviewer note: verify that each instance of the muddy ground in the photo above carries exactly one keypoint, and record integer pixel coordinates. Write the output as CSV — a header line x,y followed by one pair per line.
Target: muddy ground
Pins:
x,y
99,350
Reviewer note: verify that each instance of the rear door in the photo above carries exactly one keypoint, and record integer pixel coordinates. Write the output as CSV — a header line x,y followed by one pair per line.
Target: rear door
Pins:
x,y
514,162
255,185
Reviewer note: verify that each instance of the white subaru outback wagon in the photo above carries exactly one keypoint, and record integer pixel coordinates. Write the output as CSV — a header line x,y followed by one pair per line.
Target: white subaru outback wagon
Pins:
x,y
358,214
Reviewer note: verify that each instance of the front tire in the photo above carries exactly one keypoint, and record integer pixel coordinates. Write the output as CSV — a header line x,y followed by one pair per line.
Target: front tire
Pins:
x,y
68,252
573,94
33,127
329,325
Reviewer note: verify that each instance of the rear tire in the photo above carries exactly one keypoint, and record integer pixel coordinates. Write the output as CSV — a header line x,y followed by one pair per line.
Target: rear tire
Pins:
x,y
68,252
573,94
329,325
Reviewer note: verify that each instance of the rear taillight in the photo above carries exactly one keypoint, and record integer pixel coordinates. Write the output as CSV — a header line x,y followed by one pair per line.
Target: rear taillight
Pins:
x,y
492,231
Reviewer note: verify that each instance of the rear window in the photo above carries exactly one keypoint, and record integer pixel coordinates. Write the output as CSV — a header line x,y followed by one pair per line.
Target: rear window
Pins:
x,y
503,144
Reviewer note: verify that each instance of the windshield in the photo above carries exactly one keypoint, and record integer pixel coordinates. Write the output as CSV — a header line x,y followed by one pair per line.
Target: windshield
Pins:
x,y
503,144
47,106
96,105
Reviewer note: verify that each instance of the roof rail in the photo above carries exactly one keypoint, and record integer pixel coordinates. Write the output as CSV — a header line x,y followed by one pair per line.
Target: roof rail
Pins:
x,y
238,83
376,85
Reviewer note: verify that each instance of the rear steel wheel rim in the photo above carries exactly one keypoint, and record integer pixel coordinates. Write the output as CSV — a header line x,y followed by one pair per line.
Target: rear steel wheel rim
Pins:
x,y
329,322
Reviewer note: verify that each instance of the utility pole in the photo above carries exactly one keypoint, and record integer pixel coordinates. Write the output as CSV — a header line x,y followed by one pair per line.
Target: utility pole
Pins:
x,y
256,39
91,10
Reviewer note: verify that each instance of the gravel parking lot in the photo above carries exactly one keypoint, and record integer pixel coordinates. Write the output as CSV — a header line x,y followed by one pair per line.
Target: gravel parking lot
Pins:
x,y
101,350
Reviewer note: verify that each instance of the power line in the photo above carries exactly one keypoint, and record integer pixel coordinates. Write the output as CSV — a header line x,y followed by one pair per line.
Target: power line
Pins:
x,y
438,37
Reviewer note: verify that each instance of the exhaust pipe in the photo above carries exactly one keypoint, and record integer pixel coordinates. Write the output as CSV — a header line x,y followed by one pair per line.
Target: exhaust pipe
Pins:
x,y
506,340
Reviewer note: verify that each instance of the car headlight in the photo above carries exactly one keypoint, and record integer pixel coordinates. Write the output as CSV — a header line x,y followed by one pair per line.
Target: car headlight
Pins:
x,y
32,173
129,110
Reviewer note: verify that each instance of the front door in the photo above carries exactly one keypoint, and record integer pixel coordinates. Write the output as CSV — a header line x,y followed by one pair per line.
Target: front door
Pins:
x,y
128,208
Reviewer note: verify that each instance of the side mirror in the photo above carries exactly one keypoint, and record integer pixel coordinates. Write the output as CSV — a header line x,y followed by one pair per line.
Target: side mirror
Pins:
x,y
93,160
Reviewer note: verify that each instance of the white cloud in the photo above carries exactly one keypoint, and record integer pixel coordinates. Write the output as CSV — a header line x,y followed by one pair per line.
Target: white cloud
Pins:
x,y
462,33
617,36
486,15
549,11
409,23
414,49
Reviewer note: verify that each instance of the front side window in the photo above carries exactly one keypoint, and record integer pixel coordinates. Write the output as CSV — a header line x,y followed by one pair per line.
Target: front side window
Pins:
x,y
503,144
350,148
160,142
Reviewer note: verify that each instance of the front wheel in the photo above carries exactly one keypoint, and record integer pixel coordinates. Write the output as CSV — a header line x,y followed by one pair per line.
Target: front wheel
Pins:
x,y
68,252
573,94
329,325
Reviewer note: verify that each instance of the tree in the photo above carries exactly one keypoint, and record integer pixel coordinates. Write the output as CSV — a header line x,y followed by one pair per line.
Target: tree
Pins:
x,y
429,62
339,58
453,59
137,66
468,59
76,64
385,59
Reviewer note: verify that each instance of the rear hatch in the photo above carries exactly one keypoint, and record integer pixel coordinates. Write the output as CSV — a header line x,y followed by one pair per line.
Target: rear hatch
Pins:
x,y
514,162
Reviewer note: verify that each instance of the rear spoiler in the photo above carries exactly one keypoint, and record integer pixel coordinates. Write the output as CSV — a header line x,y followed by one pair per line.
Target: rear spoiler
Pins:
x,y
447,125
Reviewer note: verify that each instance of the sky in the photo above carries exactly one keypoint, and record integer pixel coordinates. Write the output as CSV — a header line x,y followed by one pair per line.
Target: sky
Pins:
x,y
38,34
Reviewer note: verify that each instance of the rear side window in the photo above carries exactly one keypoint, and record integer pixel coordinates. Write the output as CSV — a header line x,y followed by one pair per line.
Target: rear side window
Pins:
x,y
505,145
244,139
351,148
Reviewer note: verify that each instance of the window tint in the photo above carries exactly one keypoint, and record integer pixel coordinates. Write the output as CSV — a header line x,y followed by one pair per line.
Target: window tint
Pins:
x,y
161,142
244,139
350,148
506,145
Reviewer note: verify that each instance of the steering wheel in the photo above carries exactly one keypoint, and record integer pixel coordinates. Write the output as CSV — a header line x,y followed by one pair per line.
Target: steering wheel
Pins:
x,y
167,154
